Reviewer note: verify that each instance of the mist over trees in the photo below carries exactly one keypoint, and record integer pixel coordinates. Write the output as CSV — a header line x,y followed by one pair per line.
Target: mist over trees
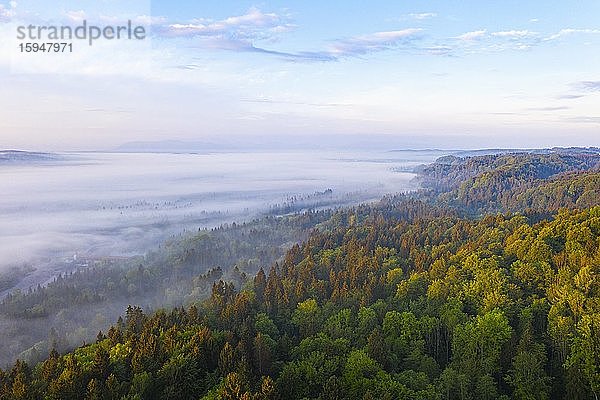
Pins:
x,y
485,285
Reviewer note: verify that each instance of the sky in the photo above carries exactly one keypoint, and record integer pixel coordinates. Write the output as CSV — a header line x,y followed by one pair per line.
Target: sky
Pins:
x,y
463,74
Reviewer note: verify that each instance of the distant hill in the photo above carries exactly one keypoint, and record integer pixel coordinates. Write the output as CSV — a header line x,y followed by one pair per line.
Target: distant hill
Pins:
x,y
290,142
17,156
515,181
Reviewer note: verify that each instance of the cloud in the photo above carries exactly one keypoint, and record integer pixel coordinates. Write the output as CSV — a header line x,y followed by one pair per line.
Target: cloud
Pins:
x,y
8,13
512,39
301,103
238,33
526,37
4,14
378,41
571,31
551,108
515,34
146,20
302,56
76,16
150,20
254,17
243,29
570,96
473,35
587,86
505,113
241,34
438,50
254,30
481,41
581,89
585,119
244,32
422,16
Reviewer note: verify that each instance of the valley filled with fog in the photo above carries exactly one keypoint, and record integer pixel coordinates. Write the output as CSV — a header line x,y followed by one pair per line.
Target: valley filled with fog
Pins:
x,y
59,211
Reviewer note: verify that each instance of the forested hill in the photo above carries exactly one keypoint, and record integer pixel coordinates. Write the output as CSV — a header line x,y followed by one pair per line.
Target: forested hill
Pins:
x,y
515,182
403,299
76,305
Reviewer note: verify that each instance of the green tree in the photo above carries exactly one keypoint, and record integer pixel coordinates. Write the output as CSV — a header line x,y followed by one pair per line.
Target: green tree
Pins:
x,y
307,317
527,376
477,344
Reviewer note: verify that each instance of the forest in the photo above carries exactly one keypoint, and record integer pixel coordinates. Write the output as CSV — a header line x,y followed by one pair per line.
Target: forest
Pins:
x,y
483,285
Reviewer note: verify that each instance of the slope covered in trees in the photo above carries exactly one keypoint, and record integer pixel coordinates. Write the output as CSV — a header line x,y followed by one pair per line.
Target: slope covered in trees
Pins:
x,y
399,299
73,307
515,182
437,308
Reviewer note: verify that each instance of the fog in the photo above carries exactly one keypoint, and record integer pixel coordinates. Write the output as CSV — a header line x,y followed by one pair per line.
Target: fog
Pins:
x,y
63,213
81,205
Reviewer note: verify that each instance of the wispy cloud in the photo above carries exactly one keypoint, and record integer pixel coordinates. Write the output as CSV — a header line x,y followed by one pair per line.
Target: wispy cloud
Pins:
x,y
569,96
438,50
585,119
243,34
587,86
514,40
510,39
75,16
515,34
240,33
505,113
550,108
301,103
8,13
250,32
354,46
580,89
482,41
377,41
422,16
4,14
473,35
255,30
302,56
147,20
570,31
252,26
522,34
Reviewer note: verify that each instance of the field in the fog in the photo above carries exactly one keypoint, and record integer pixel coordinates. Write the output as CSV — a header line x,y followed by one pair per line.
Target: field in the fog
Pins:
x,y
57,210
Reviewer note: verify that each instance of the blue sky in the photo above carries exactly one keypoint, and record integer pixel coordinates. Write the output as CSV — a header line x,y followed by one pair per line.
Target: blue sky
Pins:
x,y
466,73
